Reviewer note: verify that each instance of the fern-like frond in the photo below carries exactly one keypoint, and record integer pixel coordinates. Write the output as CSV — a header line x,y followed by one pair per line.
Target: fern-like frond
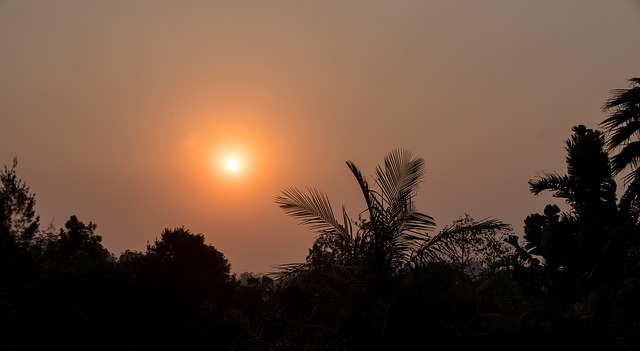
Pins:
x,y
314,210
442,244
556,183
400,176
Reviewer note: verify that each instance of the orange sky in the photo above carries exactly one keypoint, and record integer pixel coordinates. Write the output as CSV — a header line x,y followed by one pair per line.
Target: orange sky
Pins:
x,y
120,112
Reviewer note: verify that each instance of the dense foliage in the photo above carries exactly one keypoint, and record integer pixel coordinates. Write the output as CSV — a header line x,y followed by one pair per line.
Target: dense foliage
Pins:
x,y
380,280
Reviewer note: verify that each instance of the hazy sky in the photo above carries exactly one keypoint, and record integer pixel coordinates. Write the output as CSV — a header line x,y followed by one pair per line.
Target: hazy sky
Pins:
x,y
121,112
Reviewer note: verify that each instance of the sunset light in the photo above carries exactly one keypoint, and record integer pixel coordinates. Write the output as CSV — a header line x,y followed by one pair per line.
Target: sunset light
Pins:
x,y
319,175
232,164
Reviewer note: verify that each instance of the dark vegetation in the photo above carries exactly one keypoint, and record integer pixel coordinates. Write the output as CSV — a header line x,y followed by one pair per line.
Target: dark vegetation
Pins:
x,y
382,280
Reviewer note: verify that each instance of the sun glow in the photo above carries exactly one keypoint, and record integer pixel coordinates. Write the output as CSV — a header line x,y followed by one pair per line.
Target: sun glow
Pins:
x,y
232,164
231,157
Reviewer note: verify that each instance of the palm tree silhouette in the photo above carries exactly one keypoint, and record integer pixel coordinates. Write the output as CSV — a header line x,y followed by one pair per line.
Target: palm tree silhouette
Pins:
x,y
387,233
389,237
623,128
364,273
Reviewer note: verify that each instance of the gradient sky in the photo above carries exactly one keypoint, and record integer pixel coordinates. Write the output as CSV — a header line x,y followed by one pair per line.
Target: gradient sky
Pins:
x,y
121,112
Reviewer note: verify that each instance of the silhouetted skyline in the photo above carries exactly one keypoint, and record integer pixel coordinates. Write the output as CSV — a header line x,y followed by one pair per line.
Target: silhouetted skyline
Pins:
x,y
120,112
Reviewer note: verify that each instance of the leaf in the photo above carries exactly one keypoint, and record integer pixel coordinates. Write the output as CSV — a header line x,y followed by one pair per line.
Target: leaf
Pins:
x,y
314,210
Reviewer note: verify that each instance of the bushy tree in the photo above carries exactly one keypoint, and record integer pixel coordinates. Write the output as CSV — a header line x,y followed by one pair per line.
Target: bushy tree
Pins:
x,y
18,227
77,244
469,245
582,246
180,290
186,263
77,290
586,251
18,220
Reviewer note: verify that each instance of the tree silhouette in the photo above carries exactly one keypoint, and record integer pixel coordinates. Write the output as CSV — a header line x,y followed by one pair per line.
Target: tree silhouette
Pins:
x,y
623,127
18,207
18,227
468,245
386,235
77,244
181,289
186,263
369,278
588,251
77,290
583,245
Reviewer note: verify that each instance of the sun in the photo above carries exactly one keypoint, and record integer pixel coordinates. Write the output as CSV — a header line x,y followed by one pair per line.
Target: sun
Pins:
x,y
232,164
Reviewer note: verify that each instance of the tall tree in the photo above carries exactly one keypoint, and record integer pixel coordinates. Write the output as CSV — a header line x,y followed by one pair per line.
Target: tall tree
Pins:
x,y
18,220
589,271
18,227
623,130
584,243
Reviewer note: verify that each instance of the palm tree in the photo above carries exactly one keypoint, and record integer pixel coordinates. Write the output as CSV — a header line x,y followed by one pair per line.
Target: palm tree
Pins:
x,y
391,235
387,233
623,129
364,273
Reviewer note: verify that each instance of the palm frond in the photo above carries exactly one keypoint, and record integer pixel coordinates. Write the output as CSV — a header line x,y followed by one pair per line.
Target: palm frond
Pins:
x,y
439,246
621,114
417,222
407,232
400,176
629,156
314,210
383,242
552,182
482,225
631,196
623,99
398,226
431,249
619,134
367,193
299,275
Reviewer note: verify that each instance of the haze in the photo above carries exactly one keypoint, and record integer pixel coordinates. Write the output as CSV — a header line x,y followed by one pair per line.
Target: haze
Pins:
x,y
122,112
